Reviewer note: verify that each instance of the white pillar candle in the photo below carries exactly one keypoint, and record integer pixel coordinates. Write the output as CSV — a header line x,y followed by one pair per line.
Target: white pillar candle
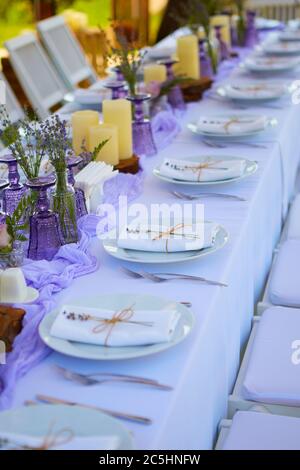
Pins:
x,y
224,21
118,112
155,72
110,152
81,122
188,55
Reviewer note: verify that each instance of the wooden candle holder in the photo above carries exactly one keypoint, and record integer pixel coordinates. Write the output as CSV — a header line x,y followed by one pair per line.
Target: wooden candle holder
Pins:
x,y
10,324
193,89
130,165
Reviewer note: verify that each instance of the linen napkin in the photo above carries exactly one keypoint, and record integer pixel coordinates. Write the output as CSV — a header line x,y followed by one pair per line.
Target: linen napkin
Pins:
x,y
168,239
127,327
207,170
234,125
91,180
254,90
75,443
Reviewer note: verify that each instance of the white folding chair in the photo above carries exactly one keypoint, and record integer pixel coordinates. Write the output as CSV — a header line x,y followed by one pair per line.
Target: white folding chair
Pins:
x,y
13,107
282,287
38,77
259,431
268,379
65,52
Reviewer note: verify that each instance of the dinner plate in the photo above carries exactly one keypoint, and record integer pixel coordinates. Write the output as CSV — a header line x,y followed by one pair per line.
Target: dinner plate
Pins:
x,y
250,168
38,419
253,91
281,48
271,122
266,23
269,65
117,302
111,247
290,36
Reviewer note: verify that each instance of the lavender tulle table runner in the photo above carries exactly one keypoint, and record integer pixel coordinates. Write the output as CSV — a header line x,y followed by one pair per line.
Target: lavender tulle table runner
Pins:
x,y
74,260
51,277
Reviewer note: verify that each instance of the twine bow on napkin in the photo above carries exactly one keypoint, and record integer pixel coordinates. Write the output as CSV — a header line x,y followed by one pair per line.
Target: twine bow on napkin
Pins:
x,y
202,166
51,440
122,316
234,121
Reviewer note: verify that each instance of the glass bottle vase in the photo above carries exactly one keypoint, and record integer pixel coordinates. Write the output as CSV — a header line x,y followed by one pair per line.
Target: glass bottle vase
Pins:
x,y
63,203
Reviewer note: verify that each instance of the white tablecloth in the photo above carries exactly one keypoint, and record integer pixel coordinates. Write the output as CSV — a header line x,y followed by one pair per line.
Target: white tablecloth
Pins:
x,y
202,369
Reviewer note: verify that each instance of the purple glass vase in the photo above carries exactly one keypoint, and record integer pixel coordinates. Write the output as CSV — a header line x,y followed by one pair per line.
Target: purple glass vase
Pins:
x,y
224,52
117,89
45,237
3,184
81,210
251,36
205,62
15,190
143,142
175,96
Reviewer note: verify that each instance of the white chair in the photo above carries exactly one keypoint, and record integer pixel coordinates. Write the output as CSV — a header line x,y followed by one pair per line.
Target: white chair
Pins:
x,y
13,107
38,77
283,286
259,431
268,379
65,52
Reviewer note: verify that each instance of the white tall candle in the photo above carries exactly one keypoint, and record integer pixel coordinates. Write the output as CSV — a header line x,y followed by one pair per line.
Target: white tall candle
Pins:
x,y
81,122
110,152
118,112
188,55
155,72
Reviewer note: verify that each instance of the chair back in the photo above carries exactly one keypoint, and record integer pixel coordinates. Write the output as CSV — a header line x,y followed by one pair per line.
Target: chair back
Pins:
x,y
38,77
65,52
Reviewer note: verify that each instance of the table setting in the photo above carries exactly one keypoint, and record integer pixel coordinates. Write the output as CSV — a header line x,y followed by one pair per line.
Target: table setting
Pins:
x,y
107,295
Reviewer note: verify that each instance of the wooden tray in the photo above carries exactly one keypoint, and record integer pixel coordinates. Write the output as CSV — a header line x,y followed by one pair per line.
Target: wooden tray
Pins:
x,y
10,324
193,89
131,165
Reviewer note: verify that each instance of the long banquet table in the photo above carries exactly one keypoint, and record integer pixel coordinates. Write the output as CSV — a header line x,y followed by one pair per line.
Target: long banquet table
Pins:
x,y
203,368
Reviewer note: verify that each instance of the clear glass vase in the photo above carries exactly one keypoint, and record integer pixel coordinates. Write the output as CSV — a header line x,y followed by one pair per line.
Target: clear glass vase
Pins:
x,y
63,203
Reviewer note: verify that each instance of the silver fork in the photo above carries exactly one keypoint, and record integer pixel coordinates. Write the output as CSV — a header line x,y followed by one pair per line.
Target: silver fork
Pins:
x,y
222,145
87,379
191,197
115,414
164,277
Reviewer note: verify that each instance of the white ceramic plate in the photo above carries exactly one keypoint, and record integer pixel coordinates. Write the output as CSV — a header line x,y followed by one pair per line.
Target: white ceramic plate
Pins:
x,y
271,122
266,24
269,65
281,48
252,91
150,257
37,420
250,169
117,302
290,36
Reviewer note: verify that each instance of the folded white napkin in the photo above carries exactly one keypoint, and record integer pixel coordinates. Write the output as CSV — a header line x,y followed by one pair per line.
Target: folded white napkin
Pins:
x,y
208,170
89,96
137,328
75,443
254,90
166,239
265,64
91,180
234,125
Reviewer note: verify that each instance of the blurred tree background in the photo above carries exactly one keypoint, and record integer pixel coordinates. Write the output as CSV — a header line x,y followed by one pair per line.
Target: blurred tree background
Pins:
x,y
19,15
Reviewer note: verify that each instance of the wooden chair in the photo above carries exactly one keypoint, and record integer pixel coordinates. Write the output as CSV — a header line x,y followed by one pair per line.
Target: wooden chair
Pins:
x,y
38,77
65,52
